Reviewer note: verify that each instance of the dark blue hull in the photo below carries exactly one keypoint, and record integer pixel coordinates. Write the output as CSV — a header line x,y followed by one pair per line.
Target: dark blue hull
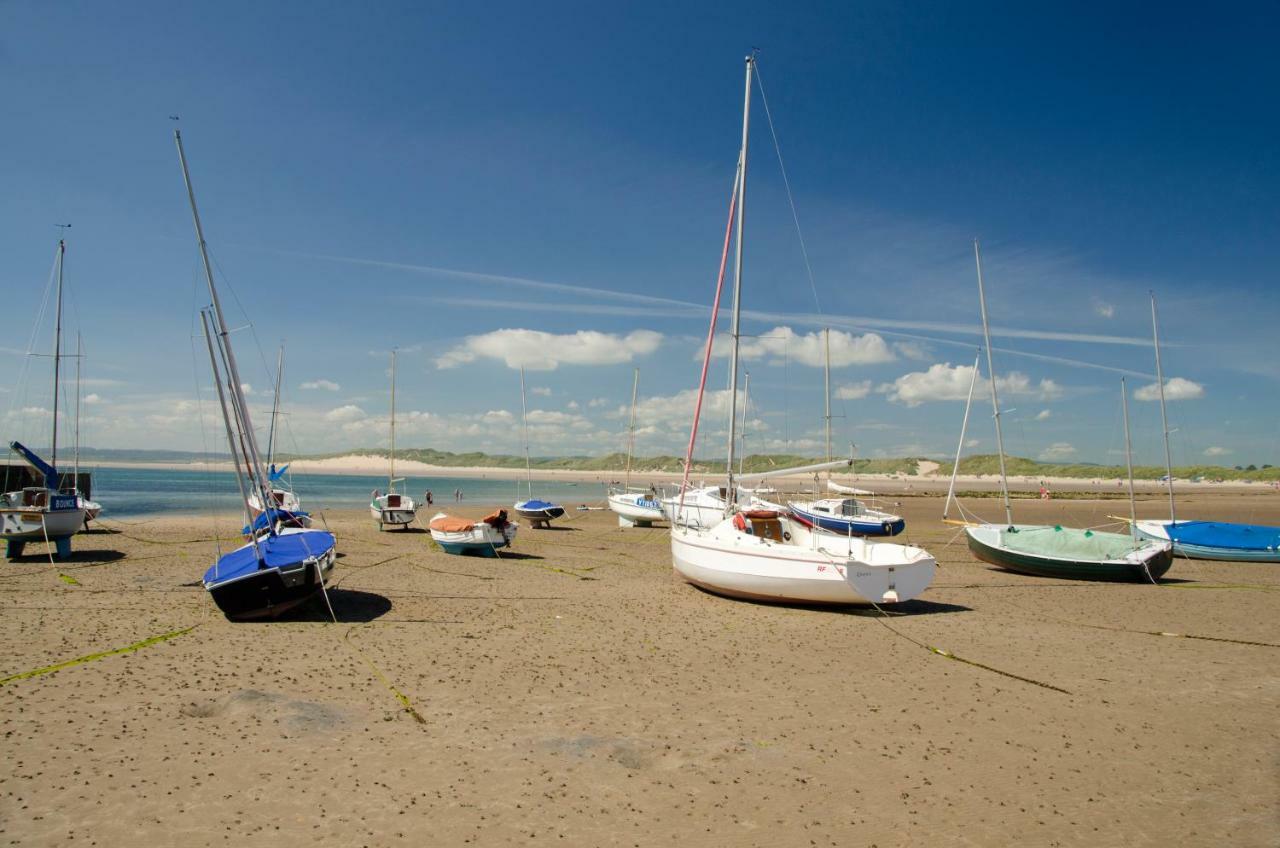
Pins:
x,y
843,526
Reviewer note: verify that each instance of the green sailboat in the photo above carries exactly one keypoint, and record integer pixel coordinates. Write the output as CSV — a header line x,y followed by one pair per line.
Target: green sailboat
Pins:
x,y
1065,553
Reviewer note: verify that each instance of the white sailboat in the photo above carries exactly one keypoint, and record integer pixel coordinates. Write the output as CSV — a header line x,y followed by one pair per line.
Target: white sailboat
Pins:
x,y
393,508
766,554
43,513
284,500
635,507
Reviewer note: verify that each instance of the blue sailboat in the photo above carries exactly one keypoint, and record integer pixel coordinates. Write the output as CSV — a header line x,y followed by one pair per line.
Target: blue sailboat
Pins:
x,y
538,512
280,567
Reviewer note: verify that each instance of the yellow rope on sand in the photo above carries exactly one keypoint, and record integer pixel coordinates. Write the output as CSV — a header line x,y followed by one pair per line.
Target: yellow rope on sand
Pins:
x,y
127,649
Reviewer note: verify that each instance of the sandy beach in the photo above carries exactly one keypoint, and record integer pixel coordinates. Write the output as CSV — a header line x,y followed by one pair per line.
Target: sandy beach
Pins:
x,y
574,692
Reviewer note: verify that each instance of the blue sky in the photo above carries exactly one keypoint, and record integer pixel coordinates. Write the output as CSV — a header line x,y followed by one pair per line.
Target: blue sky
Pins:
x,y
426,176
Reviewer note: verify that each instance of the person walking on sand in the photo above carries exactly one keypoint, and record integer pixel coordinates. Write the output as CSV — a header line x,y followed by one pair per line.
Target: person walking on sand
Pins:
x,y
429,498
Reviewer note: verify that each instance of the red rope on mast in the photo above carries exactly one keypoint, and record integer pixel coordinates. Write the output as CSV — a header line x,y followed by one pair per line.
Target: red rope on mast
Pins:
x,y
711,334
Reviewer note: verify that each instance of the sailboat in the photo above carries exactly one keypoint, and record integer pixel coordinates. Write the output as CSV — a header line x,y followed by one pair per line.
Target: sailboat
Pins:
x,y
286,506
393,508
539,513
639,508
281,567
1053,550
1219,540
92,509
45,513
764,554
844,516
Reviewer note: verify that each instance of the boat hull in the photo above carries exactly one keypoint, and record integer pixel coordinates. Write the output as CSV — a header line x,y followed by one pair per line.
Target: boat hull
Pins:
x,y
879,524
984,543
1157,531
270,592
401,515
31,524
481,540
757,569
543,515
636,508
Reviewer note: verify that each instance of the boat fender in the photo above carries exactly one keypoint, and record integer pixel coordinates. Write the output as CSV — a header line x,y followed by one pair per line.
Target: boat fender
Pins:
x,y
741,523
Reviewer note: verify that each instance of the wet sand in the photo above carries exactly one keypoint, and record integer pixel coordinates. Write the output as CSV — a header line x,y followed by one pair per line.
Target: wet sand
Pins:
x,y
574,692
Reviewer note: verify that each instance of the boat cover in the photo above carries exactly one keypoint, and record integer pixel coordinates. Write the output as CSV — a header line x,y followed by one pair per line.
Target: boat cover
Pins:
x,y
496,519
1215,534
536,505
1068,543
277,552
451,524
271,516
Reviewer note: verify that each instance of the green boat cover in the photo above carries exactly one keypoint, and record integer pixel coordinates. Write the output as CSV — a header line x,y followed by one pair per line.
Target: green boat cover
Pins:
x,y
1068,543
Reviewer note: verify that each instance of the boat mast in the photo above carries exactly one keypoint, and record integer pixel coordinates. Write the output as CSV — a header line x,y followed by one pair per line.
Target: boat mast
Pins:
x,y
226,420
746,410
730,493
1164,417
991,371
57,358
826,375
220,325
964,425
275,410
75,472
1128,461
524,417
391,480
631,429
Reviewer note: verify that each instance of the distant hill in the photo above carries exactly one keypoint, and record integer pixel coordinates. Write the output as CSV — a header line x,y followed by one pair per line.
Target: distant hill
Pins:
x,y
1015,466
983,464
127,455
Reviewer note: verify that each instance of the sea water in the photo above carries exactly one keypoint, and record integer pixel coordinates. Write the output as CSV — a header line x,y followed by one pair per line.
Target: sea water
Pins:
x,y
125,492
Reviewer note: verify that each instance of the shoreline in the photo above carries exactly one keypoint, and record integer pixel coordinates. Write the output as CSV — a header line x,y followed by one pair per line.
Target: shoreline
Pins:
x,y
369,466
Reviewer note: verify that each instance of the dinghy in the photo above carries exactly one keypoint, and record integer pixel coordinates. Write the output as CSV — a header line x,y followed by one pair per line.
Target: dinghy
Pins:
x,y
281,567
477,538
1219,540
1050,550
846,516
539,513
764,554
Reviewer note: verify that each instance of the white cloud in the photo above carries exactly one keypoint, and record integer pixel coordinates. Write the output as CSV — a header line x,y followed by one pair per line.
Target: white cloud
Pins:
x,y
541,391
326,385
1175,388
540,351
344,414
911,350
1043,415
596,403
854,391
92,398
783,343
1104,309
943,381
972,443
246,388
1216,451
1057,451
573,404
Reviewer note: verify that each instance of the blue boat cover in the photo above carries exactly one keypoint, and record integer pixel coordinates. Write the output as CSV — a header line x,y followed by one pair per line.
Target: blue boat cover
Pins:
x,y
270,517
277,552
536,505
1215,534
